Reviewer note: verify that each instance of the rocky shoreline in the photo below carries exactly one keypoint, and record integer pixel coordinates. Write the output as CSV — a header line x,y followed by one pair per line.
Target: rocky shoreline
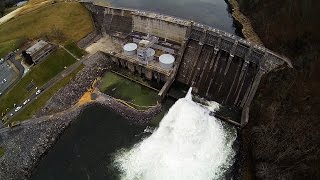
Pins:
x,y
25,144
133,116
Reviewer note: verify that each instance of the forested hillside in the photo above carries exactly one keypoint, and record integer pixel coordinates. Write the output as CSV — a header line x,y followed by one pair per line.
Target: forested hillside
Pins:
x,y
284,132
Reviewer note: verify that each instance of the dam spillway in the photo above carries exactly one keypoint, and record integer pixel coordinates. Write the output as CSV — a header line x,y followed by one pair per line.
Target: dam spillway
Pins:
x,y
189,144
218,65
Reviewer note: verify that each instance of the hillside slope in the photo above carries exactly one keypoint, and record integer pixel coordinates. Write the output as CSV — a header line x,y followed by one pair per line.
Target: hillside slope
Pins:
x,y
285,117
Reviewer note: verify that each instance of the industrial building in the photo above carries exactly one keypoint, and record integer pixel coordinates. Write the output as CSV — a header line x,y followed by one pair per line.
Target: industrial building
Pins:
x,y
146,56
40,50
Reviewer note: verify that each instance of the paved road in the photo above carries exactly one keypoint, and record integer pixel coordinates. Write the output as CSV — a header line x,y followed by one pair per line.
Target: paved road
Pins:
x,y
48,85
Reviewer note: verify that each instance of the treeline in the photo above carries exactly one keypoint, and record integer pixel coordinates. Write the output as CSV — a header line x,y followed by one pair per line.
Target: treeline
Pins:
x,y
4,4
284,20
285,119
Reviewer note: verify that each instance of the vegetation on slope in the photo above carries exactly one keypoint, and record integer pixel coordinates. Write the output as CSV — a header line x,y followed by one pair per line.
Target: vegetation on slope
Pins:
x,y
59,22
75,50
284,127
11,45
1,151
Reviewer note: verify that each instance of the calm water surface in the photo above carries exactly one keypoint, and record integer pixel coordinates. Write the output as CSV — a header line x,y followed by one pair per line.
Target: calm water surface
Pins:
x,y
210,12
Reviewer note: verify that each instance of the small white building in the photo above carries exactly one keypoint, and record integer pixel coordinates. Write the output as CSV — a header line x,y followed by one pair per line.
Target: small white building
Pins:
x,y
40,50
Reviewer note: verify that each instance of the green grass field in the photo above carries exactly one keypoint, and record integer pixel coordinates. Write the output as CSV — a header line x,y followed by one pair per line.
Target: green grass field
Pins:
x,y
74,49
39,74
37,104
60,23
6,47
1,151
122,88
70,18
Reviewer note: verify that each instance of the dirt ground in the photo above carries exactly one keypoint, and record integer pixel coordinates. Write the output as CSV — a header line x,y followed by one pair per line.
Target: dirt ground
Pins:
x,y
104,44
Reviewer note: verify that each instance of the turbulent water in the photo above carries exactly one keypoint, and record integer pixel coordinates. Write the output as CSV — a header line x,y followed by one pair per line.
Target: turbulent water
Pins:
x,y
189,144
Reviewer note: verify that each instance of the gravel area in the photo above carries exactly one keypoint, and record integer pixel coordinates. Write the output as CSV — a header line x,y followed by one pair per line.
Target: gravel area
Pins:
x,y
132,115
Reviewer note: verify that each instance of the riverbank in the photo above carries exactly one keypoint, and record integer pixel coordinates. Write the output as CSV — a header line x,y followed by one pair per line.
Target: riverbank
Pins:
x,y
244,23
25,144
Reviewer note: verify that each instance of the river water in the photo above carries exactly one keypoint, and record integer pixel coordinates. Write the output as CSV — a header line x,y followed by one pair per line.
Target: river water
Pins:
x,y
85,150
102,145
209,12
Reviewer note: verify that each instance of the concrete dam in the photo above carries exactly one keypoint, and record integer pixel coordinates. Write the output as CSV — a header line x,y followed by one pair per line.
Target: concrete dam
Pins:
x,y
218,65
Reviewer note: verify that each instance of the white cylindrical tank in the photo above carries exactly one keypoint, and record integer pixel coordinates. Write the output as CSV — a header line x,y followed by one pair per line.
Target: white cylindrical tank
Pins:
x,y
166,61
130,49
150,54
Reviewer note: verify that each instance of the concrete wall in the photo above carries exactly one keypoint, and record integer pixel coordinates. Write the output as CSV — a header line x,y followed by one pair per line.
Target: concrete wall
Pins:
x,y
111,19
159,27
219,65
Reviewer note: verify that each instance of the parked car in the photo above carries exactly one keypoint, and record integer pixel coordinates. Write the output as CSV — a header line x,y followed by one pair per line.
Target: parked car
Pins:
x,y
38,92
18,108
26,101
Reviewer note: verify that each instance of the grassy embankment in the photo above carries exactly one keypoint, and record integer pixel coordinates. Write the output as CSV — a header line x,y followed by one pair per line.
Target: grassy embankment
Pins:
x,y
39,75
75,50
1,151
30,110
10,45
60,23
124,89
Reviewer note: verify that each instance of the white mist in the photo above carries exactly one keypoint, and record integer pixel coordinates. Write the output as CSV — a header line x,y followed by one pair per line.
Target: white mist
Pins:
x,y
188,145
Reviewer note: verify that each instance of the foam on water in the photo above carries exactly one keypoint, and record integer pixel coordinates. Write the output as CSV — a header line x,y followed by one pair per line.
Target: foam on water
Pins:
x,y
189,144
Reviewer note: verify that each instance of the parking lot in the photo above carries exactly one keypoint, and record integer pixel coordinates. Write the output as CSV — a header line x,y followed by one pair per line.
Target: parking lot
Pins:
x,y
7,75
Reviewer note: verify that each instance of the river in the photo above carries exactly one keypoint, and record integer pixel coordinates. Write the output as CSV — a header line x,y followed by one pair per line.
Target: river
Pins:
x,y
99,136
214,13
84,150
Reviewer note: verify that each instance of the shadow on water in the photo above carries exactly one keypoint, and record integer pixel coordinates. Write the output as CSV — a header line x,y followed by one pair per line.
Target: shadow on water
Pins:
x,y
84,151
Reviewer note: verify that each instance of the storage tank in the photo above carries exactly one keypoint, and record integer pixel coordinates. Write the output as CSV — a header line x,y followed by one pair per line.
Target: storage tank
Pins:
x,y
150,54
130,49
166,61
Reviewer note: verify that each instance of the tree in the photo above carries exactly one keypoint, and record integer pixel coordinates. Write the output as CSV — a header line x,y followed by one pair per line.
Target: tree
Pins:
x,y
27,58
2,8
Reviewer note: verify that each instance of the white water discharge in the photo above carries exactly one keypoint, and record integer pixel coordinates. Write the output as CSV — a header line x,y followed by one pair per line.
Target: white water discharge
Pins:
x,y
189,144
